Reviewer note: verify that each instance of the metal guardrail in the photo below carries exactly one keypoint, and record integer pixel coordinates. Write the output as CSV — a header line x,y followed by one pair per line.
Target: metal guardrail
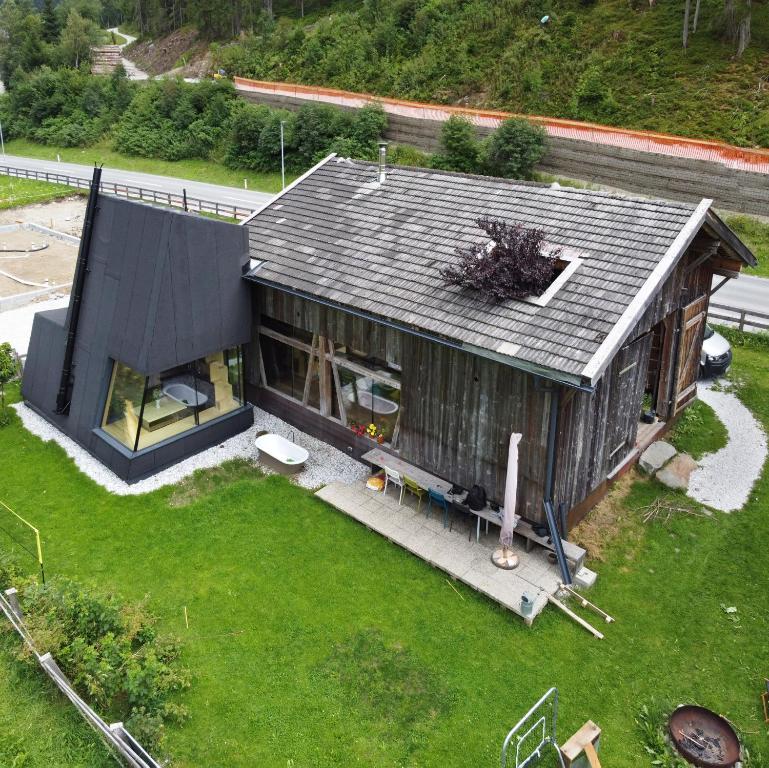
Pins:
x,y
193,204
744,319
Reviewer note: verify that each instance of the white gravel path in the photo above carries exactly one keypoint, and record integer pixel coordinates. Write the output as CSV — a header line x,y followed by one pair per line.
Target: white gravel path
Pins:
x,y
724,479
16,324
325,465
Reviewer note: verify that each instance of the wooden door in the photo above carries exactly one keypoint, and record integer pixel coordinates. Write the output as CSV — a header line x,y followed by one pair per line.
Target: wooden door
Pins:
x,y
692,332
628,382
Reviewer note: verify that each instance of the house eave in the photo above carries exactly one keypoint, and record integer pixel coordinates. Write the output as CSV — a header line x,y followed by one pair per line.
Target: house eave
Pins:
x,y
569,380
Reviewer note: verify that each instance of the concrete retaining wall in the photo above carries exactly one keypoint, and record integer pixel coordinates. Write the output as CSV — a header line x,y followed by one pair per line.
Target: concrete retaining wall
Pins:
x,y
646,173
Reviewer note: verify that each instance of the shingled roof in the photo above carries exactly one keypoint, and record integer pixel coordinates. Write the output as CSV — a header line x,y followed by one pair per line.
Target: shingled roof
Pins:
x,y
342,237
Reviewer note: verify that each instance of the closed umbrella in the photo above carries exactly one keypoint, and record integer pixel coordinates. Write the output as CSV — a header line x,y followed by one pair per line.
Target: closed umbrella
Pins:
x,y
505,557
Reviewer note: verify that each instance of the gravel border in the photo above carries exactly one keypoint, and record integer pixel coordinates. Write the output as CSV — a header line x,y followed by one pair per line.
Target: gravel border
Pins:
x,y
325,465
724,479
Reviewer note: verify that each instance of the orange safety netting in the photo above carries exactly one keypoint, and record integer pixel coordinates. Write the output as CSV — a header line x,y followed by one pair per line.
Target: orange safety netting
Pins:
x,y
755,160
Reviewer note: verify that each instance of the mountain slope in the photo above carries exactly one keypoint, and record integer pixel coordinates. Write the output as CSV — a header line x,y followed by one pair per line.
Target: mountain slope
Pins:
x,y
601,61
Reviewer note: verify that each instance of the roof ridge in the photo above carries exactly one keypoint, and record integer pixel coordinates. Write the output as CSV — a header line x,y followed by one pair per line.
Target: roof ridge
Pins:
x,y
437,172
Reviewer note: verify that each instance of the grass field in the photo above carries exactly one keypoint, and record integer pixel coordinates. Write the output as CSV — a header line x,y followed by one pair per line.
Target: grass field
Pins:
x,y
315,643
195,170
18,192
699,431
755,234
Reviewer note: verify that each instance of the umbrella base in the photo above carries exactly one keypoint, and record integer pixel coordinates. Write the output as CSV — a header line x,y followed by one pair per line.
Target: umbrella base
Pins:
x,y
505,559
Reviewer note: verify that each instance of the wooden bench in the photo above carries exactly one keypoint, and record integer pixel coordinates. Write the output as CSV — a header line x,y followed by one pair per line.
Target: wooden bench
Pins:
x,y
379,458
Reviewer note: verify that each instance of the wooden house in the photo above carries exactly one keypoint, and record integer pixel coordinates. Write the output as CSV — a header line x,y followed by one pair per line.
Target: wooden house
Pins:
x,y
353,324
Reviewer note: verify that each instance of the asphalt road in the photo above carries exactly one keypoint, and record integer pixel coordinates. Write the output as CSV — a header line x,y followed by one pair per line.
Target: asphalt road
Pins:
x,y
213,192
746,292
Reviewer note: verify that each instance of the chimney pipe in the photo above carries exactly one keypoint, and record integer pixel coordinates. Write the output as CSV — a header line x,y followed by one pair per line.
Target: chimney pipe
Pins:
x,y
382,161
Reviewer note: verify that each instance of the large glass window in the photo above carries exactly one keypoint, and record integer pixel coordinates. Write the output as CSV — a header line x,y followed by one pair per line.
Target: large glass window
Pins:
x,y
143,411
306,369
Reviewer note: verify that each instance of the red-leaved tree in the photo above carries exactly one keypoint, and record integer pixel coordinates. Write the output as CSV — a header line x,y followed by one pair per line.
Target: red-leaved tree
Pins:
x,y
512,265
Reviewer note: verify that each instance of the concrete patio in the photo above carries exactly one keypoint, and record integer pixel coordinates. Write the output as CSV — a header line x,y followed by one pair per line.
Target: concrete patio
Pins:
x,y
467,561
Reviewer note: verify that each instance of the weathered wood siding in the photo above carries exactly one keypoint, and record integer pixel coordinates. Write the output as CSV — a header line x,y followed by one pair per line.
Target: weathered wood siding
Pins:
x,y
458,409
459,412
598,430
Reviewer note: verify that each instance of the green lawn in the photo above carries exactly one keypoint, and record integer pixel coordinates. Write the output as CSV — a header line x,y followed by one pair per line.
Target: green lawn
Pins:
x,y
699,431
17,192
755,234
314,642
195,170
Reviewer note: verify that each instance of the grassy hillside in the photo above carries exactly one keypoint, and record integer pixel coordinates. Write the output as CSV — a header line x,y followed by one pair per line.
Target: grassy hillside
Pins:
x,y
600,61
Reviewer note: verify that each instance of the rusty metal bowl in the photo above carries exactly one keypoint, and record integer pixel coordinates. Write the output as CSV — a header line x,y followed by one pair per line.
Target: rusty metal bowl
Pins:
x,y
704,738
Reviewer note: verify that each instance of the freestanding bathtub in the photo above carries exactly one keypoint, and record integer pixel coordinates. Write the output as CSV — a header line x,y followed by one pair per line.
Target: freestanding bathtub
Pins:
x,y
382,406
184,394
289,456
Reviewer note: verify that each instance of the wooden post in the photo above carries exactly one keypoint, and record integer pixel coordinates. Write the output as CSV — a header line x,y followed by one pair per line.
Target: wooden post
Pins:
x,y
310,367
324,374
337,383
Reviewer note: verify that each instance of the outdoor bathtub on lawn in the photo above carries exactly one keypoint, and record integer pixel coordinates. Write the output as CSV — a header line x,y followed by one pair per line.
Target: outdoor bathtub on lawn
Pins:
x,y
288,456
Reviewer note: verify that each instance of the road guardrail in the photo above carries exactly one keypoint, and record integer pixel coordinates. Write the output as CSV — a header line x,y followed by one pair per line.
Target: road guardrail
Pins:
x,y
193,204
744,319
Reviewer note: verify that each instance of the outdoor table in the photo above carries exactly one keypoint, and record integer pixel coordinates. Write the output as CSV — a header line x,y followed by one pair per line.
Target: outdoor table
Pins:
x,y
487,513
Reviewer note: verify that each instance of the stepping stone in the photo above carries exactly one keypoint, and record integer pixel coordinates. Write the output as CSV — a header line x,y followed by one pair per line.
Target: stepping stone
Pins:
x,y
656,456
676,474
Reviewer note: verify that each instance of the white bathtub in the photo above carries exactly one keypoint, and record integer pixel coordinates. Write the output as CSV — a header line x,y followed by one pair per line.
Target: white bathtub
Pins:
x,y
184,394
289,455
379,405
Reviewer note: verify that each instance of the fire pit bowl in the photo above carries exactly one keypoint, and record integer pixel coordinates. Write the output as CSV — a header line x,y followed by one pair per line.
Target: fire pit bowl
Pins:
x,y
704,738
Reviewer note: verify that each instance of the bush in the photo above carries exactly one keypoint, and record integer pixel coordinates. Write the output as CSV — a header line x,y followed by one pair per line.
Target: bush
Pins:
x,y
66,106
110,651
459,147
174,120
512,266
514,149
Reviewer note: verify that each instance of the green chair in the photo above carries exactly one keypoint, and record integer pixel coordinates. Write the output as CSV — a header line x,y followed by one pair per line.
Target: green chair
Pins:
x,y
413,487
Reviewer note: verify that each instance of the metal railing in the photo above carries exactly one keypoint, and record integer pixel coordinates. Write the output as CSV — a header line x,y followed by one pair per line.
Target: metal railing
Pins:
x,y
744,319
193,204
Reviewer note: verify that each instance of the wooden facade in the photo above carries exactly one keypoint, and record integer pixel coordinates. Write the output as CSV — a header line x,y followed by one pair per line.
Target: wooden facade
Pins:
x,y
458,409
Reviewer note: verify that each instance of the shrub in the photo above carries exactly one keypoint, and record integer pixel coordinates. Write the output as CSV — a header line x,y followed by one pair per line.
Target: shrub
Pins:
x,y
9,369
174,120
514,149
459,147
110,651
512,266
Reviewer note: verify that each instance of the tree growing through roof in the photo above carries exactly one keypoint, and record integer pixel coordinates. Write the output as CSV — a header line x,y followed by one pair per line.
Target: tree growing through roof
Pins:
x,y
513,265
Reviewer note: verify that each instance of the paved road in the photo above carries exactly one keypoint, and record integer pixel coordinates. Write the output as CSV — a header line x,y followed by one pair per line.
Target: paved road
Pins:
x,y
746,292
213,192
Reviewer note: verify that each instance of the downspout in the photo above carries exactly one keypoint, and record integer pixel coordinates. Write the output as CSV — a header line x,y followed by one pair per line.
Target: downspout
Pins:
x,y
81,269
552,523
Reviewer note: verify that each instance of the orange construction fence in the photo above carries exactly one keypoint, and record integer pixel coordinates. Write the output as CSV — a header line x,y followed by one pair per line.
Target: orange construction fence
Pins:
x,y
755,160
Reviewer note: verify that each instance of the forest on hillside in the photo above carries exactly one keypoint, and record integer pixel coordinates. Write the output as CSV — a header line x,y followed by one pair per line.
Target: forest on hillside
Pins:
x,y
620,62
688,67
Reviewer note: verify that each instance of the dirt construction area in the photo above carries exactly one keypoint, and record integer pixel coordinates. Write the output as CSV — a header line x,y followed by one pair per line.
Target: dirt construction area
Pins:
x,y
38,251
31,260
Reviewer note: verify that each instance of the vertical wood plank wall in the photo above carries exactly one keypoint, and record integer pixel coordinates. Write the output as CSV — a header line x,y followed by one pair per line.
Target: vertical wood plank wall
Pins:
x,y
458,409
588,423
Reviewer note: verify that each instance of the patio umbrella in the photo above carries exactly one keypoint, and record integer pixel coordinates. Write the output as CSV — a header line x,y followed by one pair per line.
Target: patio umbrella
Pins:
x,y
505,557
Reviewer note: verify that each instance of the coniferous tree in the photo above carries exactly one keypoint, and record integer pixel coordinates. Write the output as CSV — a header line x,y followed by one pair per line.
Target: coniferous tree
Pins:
x,y
51,27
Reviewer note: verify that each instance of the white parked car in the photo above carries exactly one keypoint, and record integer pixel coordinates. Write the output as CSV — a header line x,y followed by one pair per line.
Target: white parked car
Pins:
x,y
716,355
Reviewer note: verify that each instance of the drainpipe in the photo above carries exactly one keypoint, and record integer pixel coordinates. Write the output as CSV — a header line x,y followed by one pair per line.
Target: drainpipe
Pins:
x,y
81,269
552,523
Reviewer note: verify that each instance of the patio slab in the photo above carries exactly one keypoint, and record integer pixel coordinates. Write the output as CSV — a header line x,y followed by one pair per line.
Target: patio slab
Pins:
x,y
466,561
